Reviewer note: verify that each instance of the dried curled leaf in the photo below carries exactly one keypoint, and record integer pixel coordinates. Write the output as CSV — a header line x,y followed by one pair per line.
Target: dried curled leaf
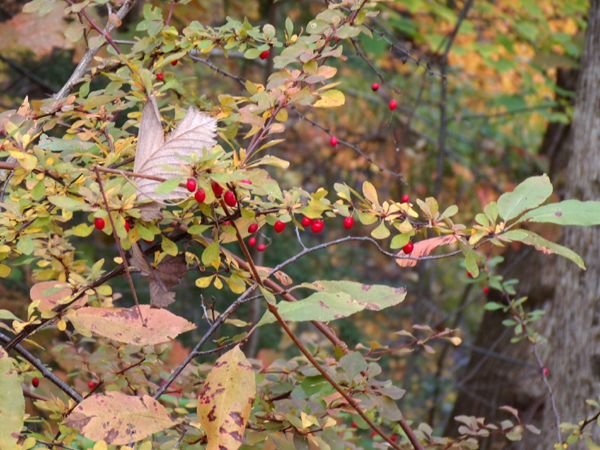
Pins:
x,y
424,248
12,403
163,278
168,159
225,401
118,418
156,326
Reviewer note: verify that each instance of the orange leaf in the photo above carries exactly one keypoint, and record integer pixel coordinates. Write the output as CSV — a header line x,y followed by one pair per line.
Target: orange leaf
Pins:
x,y
156,326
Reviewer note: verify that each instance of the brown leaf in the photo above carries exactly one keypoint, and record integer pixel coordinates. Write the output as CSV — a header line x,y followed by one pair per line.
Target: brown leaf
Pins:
x,y
424,248
168,159
118,418
40,34
167,275
51,293
281,276
125,324
225,401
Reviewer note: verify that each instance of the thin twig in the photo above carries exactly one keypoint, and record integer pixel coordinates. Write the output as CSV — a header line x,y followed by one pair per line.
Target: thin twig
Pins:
x,y
119,247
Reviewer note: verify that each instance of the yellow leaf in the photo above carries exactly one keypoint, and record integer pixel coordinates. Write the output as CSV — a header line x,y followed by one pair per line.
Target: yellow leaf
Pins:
x,y
330,99
370,193
100,445
4,270
308,421
225,401
26,161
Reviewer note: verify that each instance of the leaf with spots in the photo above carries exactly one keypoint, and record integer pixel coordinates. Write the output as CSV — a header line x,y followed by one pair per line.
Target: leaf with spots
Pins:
x,y
12,403
156,326
337,299
225,401
119,419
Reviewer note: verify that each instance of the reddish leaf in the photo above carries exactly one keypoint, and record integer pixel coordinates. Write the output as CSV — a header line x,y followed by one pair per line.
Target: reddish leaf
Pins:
x,y
424,248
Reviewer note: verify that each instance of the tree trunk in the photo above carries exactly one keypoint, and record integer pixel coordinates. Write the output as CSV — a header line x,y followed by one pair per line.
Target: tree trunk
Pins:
x,y
573,320
505,373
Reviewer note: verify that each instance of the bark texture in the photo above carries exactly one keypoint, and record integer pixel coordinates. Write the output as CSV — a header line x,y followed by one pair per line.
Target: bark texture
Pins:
x,y
574,315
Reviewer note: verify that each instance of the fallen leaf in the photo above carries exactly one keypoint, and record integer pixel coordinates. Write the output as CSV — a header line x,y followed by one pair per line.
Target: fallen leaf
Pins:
x,y
158,326
424,248
12,403
118,418
225,401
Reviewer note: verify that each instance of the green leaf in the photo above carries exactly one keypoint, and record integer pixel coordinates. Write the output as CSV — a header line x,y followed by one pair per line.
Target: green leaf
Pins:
x,y
530,193
12,403
568,212
68,203
353,364
381,232
211,255
168,186
336,300
471,262
543,245
399,241
169,247
25,245
493,306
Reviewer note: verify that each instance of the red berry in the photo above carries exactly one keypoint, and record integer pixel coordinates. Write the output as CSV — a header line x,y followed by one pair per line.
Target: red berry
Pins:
x,y
393,104
408,248
160,76
92,385
246,181
306,222
261,247
394,437
190,184
227,223
217,189
354,425
251,241
174,63
545,372
265,54
405,198
317,226
200,195
99,223
127,225
253,228
230,199
469,274
35,382
373,433
279,226
375,87
348,222
333,141
486,290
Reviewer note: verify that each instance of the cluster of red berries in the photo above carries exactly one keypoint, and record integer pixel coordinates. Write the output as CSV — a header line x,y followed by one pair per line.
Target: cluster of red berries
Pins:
x,y
200,195
100,224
